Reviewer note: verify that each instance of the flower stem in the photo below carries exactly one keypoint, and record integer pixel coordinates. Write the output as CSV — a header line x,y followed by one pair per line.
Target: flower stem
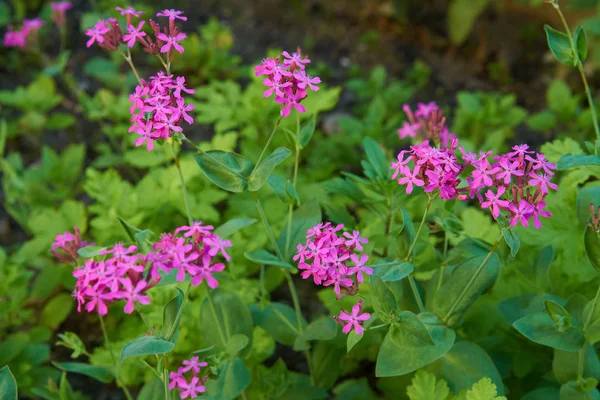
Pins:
x,y
262,154
179,312
130,62
288,237
112,356
166,377
411,278
472,280
185,194
588,92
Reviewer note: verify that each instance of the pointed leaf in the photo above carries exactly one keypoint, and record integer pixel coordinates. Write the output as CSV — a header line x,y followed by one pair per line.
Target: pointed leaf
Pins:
x,y
227,170
146,345
265,258
581,43
560,46
540,328
591,243
97,372
263,170
172,316
576,160
8,384
232,226
307,130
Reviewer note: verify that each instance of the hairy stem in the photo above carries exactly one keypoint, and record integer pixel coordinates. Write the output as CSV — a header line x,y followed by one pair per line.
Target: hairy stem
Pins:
x,y
113,358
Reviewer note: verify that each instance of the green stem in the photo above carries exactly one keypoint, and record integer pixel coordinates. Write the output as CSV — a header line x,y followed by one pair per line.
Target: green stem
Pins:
x,y
214,312
388,225
288,237
166,378
580,365
112,356
130,62
261,212
472,280
262,154
179,312
185,194
415,290
146,321
588,92
588,320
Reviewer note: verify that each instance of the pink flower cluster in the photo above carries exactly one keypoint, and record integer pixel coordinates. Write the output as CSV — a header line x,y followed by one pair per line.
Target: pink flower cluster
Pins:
x,y
127,274
66,244
426,123
516,183
288,80
195,385
329,257
26,36
59,12
108,34
158,108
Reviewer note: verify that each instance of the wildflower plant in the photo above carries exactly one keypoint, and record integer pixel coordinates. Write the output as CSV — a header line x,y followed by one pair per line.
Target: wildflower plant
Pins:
x,y
419,258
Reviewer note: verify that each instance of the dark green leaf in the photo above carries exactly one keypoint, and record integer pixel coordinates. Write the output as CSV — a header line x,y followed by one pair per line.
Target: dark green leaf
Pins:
x,y
376,158
540,328
263,170
306,131
581,43
566,364
228,316
232,226
278,320
591,243
144,240
12,346
544,393
572,391
512,240
172,316
97,372
152,390
576,160
146,345
236,344
265,258
90,251
393,270
403,351
555,310
8,384
326,365
383,300
321,329
129,229
232,379
542,266
304,218
353,339
560,46
229,171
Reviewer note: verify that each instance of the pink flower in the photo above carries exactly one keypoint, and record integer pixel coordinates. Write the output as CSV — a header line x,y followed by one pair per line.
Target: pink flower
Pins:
x,y
411,179
176,378
182,109
129,11
132,294
206,271
146,132
193,365
171,42
97,33
355,319
540,162
537,210
133,33
521,213
543,182
179,85
290,99
61,6
59,12
218,245
195,229
295,60
359,266
509,169
304,80
425,109
493,201
32,24
172,14
409,130
275,86
192,389
97,300
355,240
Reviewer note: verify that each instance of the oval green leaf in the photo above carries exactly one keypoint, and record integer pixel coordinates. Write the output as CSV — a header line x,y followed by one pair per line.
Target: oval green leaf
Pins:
x,y
146,345
229,171
591,243
560,46
263,170
232,226
8,384
576,160
265,258
98,372
541,328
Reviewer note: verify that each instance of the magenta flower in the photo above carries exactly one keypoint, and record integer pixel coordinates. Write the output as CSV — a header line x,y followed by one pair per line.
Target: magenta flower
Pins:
x,y
275,86
294,60
537,211
171,42
494,202
425,109
97,33
59,12
408,130
206,271
33,24
411,179
355,240
196,229
543,182
133,34
191,389
193,364
97,300
179,85
359,267
540,162
62,6
129,11
304,81
218,245
291,100
182,109
354,320
521,213
131,294
509,169
146,131
176,378
172,14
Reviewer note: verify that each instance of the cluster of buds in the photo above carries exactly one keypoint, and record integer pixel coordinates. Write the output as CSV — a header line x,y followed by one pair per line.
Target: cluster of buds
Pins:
x,y
66,244
127,274
329,257
27,36
189,388
288,80
158,108
109,35
427,123
594,222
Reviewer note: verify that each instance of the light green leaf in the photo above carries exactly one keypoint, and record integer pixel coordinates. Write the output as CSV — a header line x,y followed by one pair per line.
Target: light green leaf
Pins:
x,y
146,345
393,270
560,46
57,310
233,378
229,171
263,170
98,372
265,258
425,386
172,316
232,226
90,251
236,344
581,43
307,130
483,390
461,17
8,384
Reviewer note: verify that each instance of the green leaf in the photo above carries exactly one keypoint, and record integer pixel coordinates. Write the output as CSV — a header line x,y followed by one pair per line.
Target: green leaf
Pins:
x,y
232,226
152,390
464,365
233,378
540,328
57,310
90,251
304,217
572,391
71,341
229,171
279,321
307,130
321,329
555,310
560,46
146,345
376,158
566,364
462,14
98,372
8,384
392,271
263,170
581,43
591,243
404,350
542,266
454,286
512,240
382,299
576,160
228,316
325,364
236,344
353,339
543,393
172,316
425,386
265,258
12,346
483,390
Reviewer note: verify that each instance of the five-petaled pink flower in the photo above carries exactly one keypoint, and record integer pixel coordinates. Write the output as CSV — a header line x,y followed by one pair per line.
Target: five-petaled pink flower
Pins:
x,y
354,320
193,364
171,42
129,11
96,33
192,388
494,202
291,99
410,179
133,34
172,14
